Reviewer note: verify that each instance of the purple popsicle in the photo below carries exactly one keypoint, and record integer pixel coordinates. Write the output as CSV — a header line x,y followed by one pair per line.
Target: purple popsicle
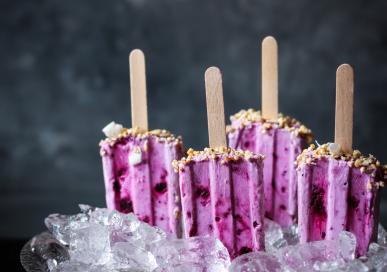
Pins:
x,y
139,176
279,138
338,191
221,192
338,188
280,141
222,188
137,162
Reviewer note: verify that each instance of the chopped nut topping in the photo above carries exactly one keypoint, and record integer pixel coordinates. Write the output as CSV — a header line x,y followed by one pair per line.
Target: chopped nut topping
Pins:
x,y
247,117
225,155
366,164
161,134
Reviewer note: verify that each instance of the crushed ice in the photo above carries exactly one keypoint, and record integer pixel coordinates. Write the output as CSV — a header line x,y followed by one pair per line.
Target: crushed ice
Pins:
x,y
99,240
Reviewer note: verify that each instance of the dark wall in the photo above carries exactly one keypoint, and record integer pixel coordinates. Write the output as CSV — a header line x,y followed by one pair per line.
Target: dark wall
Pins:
x,y
64,76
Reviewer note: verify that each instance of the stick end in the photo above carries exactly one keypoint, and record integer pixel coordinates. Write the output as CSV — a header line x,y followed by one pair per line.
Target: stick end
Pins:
x,y
212,72
135,54
344,69
269,41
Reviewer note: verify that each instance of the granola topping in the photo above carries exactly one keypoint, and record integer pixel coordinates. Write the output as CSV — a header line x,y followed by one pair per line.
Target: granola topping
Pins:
x,y
224,154
366,164
247,117
161,134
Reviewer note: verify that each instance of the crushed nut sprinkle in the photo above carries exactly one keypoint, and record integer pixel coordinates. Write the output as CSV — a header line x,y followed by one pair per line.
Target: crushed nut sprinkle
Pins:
x,y
366,164
246,117
225,155
162,134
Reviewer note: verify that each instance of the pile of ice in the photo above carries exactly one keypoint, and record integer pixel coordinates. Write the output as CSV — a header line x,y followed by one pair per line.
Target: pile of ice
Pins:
x,y
284,253
103,240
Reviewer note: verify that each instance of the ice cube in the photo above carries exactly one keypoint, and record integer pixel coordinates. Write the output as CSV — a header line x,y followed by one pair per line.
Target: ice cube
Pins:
x,y
291,235
48,248
127,255
377,257
60,225
340,266
204,252
256,262
305,255
382,236
90,244
274,236
347,245
78,266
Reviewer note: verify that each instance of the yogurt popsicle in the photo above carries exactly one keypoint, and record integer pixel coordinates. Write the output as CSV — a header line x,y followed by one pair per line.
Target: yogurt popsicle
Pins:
x,y
137,163
222,188
279,138
339,188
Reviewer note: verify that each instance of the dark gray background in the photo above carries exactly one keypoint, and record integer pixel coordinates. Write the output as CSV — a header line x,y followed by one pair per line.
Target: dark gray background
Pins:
x,y
64,76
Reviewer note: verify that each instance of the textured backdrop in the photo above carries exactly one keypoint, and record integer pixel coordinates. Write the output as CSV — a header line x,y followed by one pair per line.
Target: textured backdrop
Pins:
x,y
64,75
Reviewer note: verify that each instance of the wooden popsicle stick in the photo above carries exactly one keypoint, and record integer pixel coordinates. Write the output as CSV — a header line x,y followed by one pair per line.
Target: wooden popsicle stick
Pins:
x,y
344,107
138,89
269,78
215,108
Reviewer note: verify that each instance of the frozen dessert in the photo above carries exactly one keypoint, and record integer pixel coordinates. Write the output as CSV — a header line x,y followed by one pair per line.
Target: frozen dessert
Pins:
x,y
222,188
139,176
338,191
280,141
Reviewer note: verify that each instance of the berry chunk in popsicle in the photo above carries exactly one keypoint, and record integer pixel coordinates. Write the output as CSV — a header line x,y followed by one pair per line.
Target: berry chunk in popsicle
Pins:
x,y
279,138
338,187
222,188
137,162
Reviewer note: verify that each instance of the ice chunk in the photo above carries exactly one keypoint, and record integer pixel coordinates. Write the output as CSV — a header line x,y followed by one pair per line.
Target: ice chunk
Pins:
x,y
112,130
256,262
202,253
106,240
277,237
274,236
305,255
60,225
340,266
347,245
48,248
76,266
127,255
377,257
291,235
90,244
382,236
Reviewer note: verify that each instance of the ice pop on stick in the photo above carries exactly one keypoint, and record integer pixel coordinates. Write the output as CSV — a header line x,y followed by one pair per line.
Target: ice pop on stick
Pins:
x,y
222,188
338,187
137,162
279,138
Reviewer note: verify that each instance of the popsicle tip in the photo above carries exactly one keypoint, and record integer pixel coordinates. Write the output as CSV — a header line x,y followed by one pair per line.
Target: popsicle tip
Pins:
x,y
136,53
213,70
345,68
269,40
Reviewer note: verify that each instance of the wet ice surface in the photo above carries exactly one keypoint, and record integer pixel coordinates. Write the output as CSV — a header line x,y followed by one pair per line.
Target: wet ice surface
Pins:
x,y
284,253
102,240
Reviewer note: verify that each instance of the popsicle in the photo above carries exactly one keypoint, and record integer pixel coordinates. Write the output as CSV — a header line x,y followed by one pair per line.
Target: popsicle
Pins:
x,y
279,138
222,188
339,187
137,162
